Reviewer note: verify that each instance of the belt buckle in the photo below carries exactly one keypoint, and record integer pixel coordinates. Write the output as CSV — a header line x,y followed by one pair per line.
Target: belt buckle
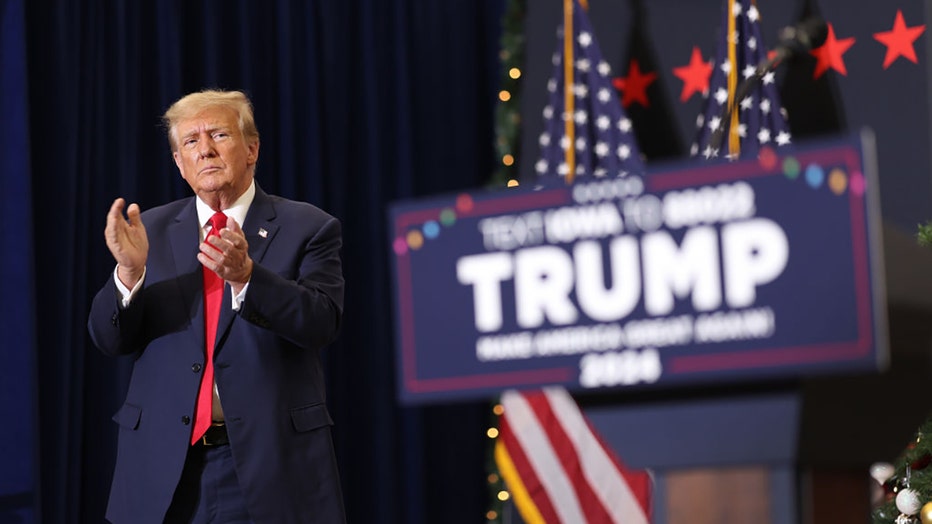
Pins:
x,y
203,438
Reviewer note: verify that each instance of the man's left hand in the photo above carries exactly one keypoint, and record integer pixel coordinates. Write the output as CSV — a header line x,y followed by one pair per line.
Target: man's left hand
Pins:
x,y
228,255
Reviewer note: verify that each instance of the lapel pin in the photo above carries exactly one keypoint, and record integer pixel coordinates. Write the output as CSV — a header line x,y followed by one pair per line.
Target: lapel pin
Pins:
x,y
263,233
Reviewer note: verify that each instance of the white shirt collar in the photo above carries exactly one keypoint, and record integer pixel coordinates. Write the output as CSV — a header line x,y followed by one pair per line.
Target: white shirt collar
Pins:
x,y
237,211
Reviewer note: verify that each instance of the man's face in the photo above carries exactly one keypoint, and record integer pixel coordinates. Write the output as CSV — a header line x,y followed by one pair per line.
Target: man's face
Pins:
x,y
213,156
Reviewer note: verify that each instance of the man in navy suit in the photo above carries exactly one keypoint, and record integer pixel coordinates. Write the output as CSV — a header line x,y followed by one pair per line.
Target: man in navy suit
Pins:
x,y
247,361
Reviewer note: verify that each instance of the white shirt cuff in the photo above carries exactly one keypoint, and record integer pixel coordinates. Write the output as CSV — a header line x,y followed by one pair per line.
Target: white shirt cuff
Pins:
x,y
126,292
238,299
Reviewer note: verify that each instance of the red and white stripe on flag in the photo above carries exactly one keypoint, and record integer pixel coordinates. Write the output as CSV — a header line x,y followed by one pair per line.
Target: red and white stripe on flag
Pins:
x,y
558,470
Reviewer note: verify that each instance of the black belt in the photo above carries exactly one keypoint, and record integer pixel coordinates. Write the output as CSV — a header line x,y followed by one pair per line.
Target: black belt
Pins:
x,y
216,435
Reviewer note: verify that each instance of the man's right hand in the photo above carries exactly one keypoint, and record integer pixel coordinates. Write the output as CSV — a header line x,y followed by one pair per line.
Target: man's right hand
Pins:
x,y
127,242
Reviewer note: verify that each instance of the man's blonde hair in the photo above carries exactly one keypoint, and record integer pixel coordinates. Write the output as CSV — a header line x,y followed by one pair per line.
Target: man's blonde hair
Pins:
x,y
194,103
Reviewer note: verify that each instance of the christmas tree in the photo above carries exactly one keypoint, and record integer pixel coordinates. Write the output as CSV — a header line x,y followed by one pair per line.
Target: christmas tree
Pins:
x,y
907,485
907,493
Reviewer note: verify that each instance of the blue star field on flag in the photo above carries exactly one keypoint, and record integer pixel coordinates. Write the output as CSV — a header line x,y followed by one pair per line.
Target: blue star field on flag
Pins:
x,y
761,118
605,145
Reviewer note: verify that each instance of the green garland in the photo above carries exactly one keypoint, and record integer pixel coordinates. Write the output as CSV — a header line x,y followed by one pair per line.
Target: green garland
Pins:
x,y
496,484
508,112
507,147
925,234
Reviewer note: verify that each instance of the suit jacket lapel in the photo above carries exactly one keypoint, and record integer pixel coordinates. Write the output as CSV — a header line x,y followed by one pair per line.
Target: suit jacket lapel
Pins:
x,y
259,228
182,237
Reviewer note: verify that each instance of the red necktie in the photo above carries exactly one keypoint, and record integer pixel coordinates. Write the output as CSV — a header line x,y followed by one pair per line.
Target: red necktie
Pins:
x,y
213,295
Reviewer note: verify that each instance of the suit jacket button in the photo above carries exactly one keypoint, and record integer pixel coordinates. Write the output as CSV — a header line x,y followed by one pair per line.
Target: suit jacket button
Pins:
x,y
196,367
185,420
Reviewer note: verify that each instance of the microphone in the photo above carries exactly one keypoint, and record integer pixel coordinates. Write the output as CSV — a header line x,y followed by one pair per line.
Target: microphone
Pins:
x,y
807,34
804,36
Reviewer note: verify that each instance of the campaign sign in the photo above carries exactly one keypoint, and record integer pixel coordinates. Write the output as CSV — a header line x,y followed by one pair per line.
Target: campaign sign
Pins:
x,y
702,272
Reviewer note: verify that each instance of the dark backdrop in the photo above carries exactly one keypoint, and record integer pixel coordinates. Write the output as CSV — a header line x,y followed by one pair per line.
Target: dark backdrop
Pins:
x,y
358,103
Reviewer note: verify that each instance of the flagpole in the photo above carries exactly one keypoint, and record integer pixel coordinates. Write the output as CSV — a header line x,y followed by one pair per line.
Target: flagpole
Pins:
x,y
568,97
734,139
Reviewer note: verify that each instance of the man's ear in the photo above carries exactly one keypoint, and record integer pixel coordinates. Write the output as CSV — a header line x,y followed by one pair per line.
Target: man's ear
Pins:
x,y
252,152
177,157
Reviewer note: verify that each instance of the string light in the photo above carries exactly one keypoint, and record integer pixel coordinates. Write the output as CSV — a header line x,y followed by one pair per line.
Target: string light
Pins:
x,y
507,126
496,487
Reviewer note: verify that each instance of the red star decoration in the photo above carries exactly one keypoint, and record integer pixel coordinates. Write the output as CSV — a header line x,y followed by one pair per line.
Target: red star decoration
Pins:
x,y
828,55
695,75
634,86
899,40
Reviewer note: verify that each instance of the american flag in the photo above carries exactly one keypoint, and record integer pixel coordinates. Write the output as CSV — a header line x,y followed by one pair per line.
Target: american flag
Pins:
x,y
557,468
758,119
601,134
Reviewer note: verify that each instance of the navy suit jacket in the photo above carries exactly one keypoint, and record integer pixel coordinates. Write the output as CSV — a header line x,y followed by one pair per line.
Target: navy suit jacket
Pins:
x,y
267,364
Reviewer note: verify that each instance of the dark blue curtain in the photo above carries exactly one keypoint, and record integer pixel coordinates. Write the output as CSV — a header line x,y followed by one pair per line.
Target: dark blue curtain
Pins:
x,y
358,103
17,386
